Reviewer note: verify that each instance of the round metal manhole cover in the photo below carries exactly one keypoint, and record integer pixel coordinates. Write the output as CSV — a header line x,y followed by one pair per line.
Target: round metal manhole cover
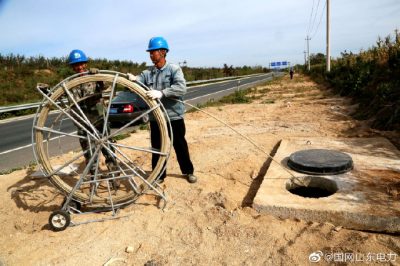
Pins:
x,y
320,162
311,186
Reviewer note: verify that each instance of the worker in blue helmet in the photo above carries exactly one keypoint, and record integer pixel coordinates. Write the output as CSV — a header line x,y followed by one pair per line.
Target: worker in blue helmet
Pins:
x,y
167,84
77,56
89,99
157,43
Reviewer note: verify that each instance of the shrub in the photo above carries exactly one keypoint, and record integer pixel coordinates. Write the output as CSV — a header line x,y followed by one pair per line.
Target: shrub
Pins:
x,y
371,78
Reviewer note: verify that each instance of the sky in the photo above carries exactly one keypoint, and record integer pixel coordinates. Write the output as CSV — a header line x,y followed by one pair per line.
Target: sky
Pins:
x,y
206,33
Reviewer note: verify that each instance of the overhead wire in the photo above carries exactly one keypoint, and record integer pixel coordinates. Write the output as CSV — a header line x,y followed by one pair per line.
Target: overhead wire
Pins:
x,y
315,17
319,23
309,21
309,26
312,30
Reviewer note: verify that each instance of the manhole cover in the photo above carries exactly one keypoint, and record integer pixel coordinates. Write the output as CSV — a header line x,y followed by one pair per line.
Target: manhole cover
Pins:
x,y
311,186
320,161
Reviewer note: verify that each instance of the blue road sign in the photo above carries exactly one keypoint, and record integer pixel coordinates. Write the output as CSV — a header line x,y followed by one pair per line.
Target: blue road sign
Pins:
x,y
280,64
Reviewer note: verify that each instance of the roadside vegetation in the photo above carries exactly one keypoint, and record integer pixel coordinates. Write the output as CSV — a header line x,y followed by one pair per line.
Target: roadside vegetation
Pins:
x,y
371,78
241,96
19,74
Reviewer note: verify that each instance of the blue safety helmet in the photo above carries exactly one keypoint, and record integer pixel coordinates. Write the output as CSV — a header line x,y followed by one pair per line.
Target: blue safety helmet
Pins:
x,y
77,56
157,43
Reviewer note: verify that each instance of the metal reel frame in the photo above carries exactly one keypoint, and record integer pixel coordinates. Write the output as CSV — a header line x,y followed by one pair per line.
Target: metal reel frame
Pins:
x,y
61,98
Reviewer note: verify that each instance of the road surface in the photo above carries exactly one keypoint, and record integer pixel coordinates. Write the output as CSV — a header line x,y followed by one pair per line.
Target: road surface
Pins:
x,y
15,134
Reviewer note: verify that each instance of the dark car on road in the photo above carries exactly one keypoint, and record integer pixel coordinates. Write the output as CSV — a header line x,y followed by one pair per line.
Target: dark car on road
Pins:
x,y
126,106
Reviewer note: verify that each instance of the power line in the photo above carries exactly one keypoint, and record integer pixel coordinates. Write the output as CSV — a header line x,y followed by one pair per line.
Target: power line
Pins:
x,y
320,19
310,28
309,21
315,17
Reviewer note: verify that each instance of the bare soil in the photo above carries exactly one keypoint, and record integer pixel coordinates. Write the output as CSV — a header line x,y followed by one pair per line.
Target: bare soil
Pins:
x,y
210,222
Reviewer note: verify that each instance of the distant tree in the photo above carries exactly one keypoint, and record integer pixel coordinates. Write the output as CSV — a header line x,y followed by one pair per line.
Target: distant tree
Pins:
x,y
228,71
19,74
316,59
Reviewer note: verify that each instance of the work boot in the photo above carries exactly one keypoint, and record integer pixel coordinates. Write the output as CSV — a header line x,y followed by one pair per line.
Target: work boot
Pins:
x,y
191,178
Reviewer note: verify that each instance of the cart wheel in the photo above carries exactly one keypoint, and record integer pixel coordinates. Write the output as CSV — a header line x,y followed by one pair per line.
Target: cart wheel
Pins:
x,y
59,220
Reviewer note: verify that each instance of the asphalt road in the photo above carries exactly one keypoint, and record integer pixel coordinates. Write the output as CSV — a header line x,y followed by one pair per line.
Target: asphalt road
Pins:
x,y
16,134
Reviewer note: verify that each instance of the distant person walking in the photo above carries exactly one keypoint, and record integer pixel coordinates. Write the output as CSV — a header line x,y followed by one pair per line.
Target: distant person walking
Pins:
x,y
291,72
167,83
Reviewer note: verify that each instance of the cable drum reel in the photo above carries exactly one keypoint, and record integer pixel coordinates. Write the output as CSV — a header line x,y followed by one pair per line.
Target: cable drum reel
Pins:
x,y
88,180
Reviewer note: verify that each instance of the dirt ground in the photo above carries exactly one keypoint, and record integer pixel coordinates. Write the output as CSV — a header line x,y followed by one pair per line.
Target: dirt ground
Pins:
x,y
210,222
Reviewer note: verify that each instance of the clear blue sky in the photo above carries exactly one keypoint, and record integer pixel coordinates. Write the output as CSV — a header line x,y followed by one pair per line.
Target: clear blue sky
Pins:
x,y
204,33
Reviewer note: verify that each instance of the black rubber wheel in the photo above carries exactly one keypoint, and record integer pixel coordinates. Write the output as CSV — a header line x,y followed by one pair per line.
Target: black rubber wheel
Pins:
x,y
320,162
59,220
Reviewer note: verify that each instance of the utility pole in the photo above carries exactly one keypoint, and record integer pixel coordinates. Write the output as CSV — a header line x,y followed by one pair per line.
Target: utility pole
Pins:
x,y
308,53
328,53
305,58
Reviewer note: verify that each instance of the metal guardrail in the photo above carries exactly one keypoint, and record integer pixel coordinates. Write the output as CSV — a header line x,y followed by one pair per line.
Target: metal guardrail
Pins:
x,y
36,105
18,107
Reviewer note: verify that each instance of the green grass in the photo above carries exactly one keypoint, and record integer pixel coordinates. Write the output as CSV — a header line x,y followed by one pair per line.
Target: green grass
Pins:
x,y
264,90
17,113
144,126
31,166
122,136
238,97
268,101
9,171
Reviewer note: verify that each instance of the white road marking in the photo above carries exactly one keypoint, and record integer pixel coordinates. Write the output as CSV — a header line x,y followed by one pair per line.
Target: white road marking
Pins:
x,y
26,146
210,94
232,88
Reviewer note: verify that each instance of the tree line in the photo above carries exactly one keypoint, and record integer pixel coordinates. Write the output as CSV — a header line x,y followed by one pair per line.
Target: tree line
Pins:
x,y
20,74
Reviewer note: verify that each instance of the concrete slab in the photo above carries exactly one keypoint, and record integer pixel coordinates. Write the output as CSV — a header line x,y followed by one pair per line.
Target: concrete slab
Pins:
x,y
368,197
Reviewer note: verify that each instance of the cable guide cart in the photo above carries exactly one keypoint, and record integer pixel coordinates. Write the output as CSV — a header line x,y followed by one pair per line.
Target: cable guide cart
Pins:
x,y
96,167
